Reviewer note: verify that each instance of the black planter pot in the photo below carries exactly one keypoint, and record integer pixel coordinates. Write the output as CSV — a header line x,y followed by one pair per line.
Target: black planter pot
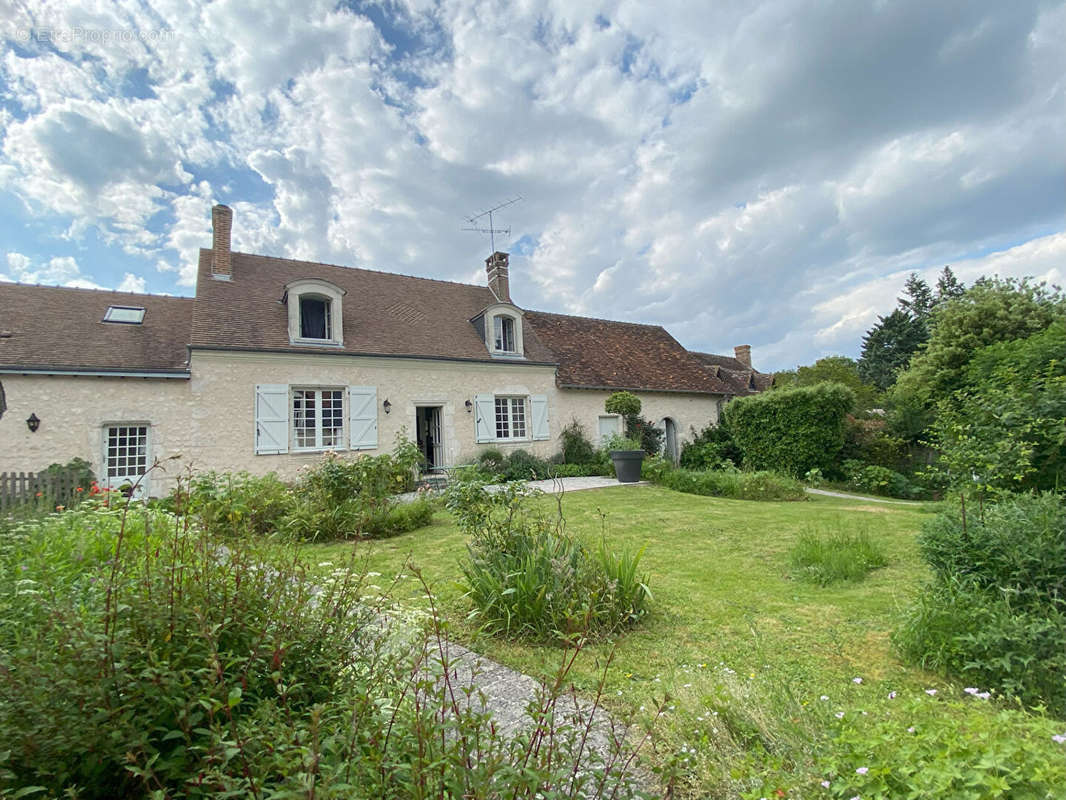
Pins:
x,y
627,464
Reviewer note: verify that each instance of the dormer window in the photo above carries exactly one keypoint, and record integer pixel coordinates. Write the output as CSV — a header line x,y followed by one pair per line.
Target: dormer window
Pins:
x,y
504,333
500,325
314,312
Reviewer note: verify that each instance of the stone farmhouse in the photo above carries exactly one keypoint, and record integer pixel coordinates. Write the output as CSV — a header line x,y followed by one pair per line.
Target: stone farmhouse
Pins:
x,y
275,361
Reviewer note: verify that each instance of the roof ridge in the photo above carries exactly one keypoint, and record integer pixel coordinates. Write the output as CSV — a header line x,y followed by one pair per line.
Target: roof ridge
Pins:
x,y
599,319
97,291
357,269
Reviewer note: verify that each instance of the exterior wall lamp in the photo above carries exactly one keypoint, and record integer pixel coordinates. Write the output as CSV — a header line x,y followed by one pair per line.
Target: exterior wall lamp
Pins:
x,y
387,405
469,406
33,423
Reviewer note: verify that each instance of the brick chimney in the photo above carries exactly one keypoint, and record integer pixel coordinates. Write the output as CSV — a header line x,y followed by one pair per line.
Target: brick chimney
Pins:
x,y
743,354
499,283
222,223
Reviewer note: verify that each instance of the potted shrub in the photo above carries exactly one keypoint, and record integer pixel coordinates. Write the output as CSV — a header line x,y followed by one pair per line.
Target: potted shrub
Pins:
x,y
626,453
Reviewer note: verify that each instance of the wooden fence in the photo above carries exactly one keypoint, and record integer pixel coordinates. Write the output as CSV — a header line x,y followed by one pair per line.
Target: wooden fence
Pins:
x,y
42,490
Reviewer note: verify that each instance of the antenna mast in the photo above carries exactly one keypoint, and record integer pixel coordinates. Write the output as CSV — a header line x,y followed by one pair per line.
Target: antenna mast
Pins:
x,y
491,231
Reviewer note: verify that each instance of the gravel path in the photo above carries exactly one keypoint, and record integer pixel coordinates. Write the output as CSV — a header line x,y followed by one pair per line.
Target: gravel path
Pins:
x,y
825,493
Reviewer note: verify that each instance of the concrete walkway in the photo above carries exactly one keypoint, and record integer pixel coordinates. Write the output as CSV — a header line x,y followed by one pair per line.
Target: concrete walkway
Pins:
x,y
864,498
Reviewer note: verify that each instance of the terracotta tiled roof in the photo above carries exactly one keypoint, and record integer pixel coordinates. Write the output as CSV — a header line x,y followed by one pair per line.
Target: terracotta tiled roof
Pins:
x,y
47,327
739,377
597,353
383,313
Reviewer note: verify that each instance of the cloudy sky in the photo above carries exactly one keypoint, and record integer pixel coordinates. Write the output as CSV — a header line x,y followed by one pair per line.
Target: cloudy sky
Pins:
x,y
763,173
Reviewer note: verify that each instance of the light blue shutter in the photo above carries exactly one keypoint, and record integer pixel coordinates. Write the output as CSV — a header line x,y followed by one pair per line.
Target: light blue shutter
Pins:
x,y
271,418
484,418
539,404
363,417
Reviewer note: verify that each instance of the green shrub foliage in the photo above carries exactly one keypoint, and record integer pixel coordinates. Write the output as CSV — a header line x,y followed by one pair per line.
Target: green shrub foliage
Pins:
x,y
791,430
732,483
626,404
1004,428
712,447
577,449
995,614
337,498
527,576
142,657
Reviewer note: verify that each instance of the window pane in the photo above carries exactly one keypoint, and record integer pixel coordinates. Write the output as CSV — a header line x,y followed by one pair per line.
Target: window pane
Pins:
x,y
332,418
303,418
502,428
508,334
314,318
518,417
127,451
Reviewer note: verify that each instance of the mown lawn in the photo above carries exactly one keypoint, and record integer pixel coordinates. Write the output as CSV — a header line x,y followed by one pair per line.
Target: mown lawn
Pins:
x,y
718,570
738,645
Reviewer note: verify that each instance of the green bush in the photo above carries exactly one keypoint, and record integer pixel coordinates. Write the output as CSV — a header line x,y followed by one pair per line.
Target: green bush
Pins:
x,y
136,652
348,499
521,465
836,558
577,449
763,485
931,747
791,430
336,479
526,576
995,613
880,480
491,461
236,504
625,404
142,658
711,448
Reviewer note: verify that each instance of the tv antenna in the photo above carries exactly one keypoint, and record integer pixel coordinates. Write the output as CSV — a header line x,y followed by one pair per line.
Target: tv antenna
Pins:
x,y
491,231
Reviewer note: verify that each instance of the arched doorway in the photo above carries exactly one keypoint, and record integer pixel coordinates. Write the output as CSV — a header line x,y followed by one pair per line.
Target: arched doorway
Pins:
x,y
670,451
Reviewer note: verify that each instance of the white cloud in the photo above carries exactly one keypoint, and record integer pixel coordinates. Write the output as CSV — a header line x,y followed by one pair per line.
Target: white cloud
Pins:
x,y
759,173
132,283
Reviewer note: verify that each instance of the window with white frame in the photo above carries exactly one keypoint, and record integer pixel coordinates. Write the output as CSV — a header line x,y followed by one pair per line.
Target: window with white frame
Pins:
x,y
317,418
504,333
510,418
315,312
314,418
125,453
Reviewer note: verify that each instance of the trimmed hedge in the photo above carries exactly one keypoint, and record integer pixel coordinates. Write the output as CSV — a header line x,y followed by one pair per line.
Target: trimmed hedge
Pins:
x,y
791,430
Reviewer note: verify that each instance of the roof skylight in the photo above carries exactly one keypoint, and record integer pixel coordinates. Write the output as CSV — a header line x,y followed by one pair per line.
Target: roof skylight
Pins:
x,y
131,315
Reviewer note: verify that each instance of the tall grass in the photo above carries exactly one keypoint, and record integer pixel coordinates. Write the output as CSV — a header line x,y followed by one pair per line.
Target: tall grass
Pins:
x,y
838,557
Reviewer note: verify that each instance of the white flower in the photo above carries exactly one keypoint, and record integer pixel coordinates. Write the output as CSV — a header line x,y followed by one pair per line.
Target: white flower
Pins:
x,y
856,680
825,784
931,692
840,715
891,695
970,690
910,729
1059,738
862,770
824,697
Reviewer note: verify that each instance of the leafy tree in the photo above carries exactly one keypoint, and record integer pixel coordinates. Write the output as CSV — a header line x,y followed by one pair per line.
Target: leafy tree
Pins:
x,y
791,430
834,369
992,310
948,287
919,300
888,346
1007,426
